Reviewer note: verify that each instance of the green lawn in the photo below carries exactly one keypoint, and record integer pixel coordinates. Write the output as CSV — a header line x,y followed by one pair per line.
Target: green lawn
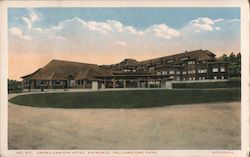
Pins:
x,y
127,99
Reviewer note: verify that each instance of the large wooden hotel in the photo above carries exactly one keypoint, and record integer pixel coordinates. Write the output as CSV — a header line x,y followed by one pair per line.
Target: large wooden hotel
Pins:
x,y
193,66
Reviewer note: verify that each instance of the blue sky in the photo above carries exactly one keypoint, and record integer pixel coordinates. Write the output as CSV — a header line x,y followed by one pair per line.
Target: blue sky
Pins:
x,y
137,17
109,35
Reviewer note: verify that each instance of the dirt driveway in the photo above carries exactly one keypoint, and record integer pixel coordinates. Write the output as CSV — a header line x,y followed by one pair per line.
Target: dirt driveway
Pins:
x,y
200,126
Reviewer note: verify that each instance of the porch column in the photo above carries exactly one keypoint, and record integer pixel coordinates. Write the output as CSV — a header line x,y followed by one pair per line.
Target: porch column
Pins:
x,y
23,85
84,83
114,83
138,84
124,84
95,85
32,84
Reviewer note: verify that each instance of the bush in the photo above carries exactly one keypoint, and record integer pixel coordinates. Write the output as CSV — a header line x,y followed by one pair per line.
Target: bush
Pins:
x,y
226,84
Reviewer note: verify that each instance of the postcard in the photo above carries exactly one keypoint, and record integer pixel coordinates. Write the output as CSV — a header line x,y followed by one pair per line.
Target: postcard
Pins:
x,y
124,78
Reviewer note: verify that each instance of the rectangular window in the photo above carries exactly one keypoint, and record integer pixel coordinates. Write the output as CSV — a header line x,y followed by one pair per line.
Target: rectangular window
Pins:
x,y
222,77
27,82
164,73
203,78
151,68
215,77
171,72
57,82
184,72
193,78
183,59
215,69
171,77
201,71
222,69
191,62
158,73
41,83
158,63
170,61
71,82
178,72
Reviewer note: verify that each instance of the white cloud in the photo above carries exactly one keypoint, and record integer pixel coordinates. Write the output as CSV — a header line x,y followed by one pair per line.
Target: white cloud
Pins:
x,y
26,37
14,31
217,28
163,31
38,29
219,20
33,17
234,20
121,43
205,24
60,38
27,21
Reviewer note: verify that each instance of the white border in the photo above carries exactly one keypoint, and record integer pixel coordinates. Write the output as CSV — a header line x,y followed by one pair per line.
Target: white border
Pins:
x,y
139,3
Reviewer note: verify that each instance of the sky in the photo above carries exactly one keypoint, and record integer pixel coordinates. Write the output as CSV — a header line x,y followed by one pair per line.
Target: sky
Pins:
x,y
109,35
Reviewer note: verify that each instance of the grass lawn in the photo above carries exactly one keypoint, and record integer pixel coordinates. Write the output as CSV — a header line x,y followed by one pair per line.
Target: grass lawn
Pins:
x,y
127,99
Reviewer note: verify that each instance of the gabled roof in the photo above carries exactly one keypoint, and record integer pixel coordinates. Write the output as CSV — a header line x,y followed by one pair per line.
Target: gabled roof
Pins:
x,y
199,55
30,75
64,70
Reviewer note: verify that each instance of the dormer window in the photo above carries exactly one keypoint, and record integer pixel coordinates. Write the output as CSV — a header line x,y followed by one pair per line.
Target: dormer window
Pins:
x,y
184,58
170,61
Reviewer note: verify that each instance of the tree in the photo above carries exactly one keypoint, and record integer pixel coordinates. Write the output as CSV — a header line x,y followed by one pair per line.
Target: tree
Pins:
x,y
234,62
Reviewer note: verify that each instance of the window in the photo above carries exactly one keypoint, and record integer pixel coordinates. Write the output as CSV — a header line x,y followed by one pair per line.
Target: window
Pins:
x,y
178,72
184,72
158,73
215,77
78,82
158,63
215,69
183,59
151,68
193,78
184,79
57,82
191,71
170,61
164,72
203,78
191,62
71,82
134,70
27,82
190,78
171,77
222,69
201,71
200,78
171,72
222,77
41,83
